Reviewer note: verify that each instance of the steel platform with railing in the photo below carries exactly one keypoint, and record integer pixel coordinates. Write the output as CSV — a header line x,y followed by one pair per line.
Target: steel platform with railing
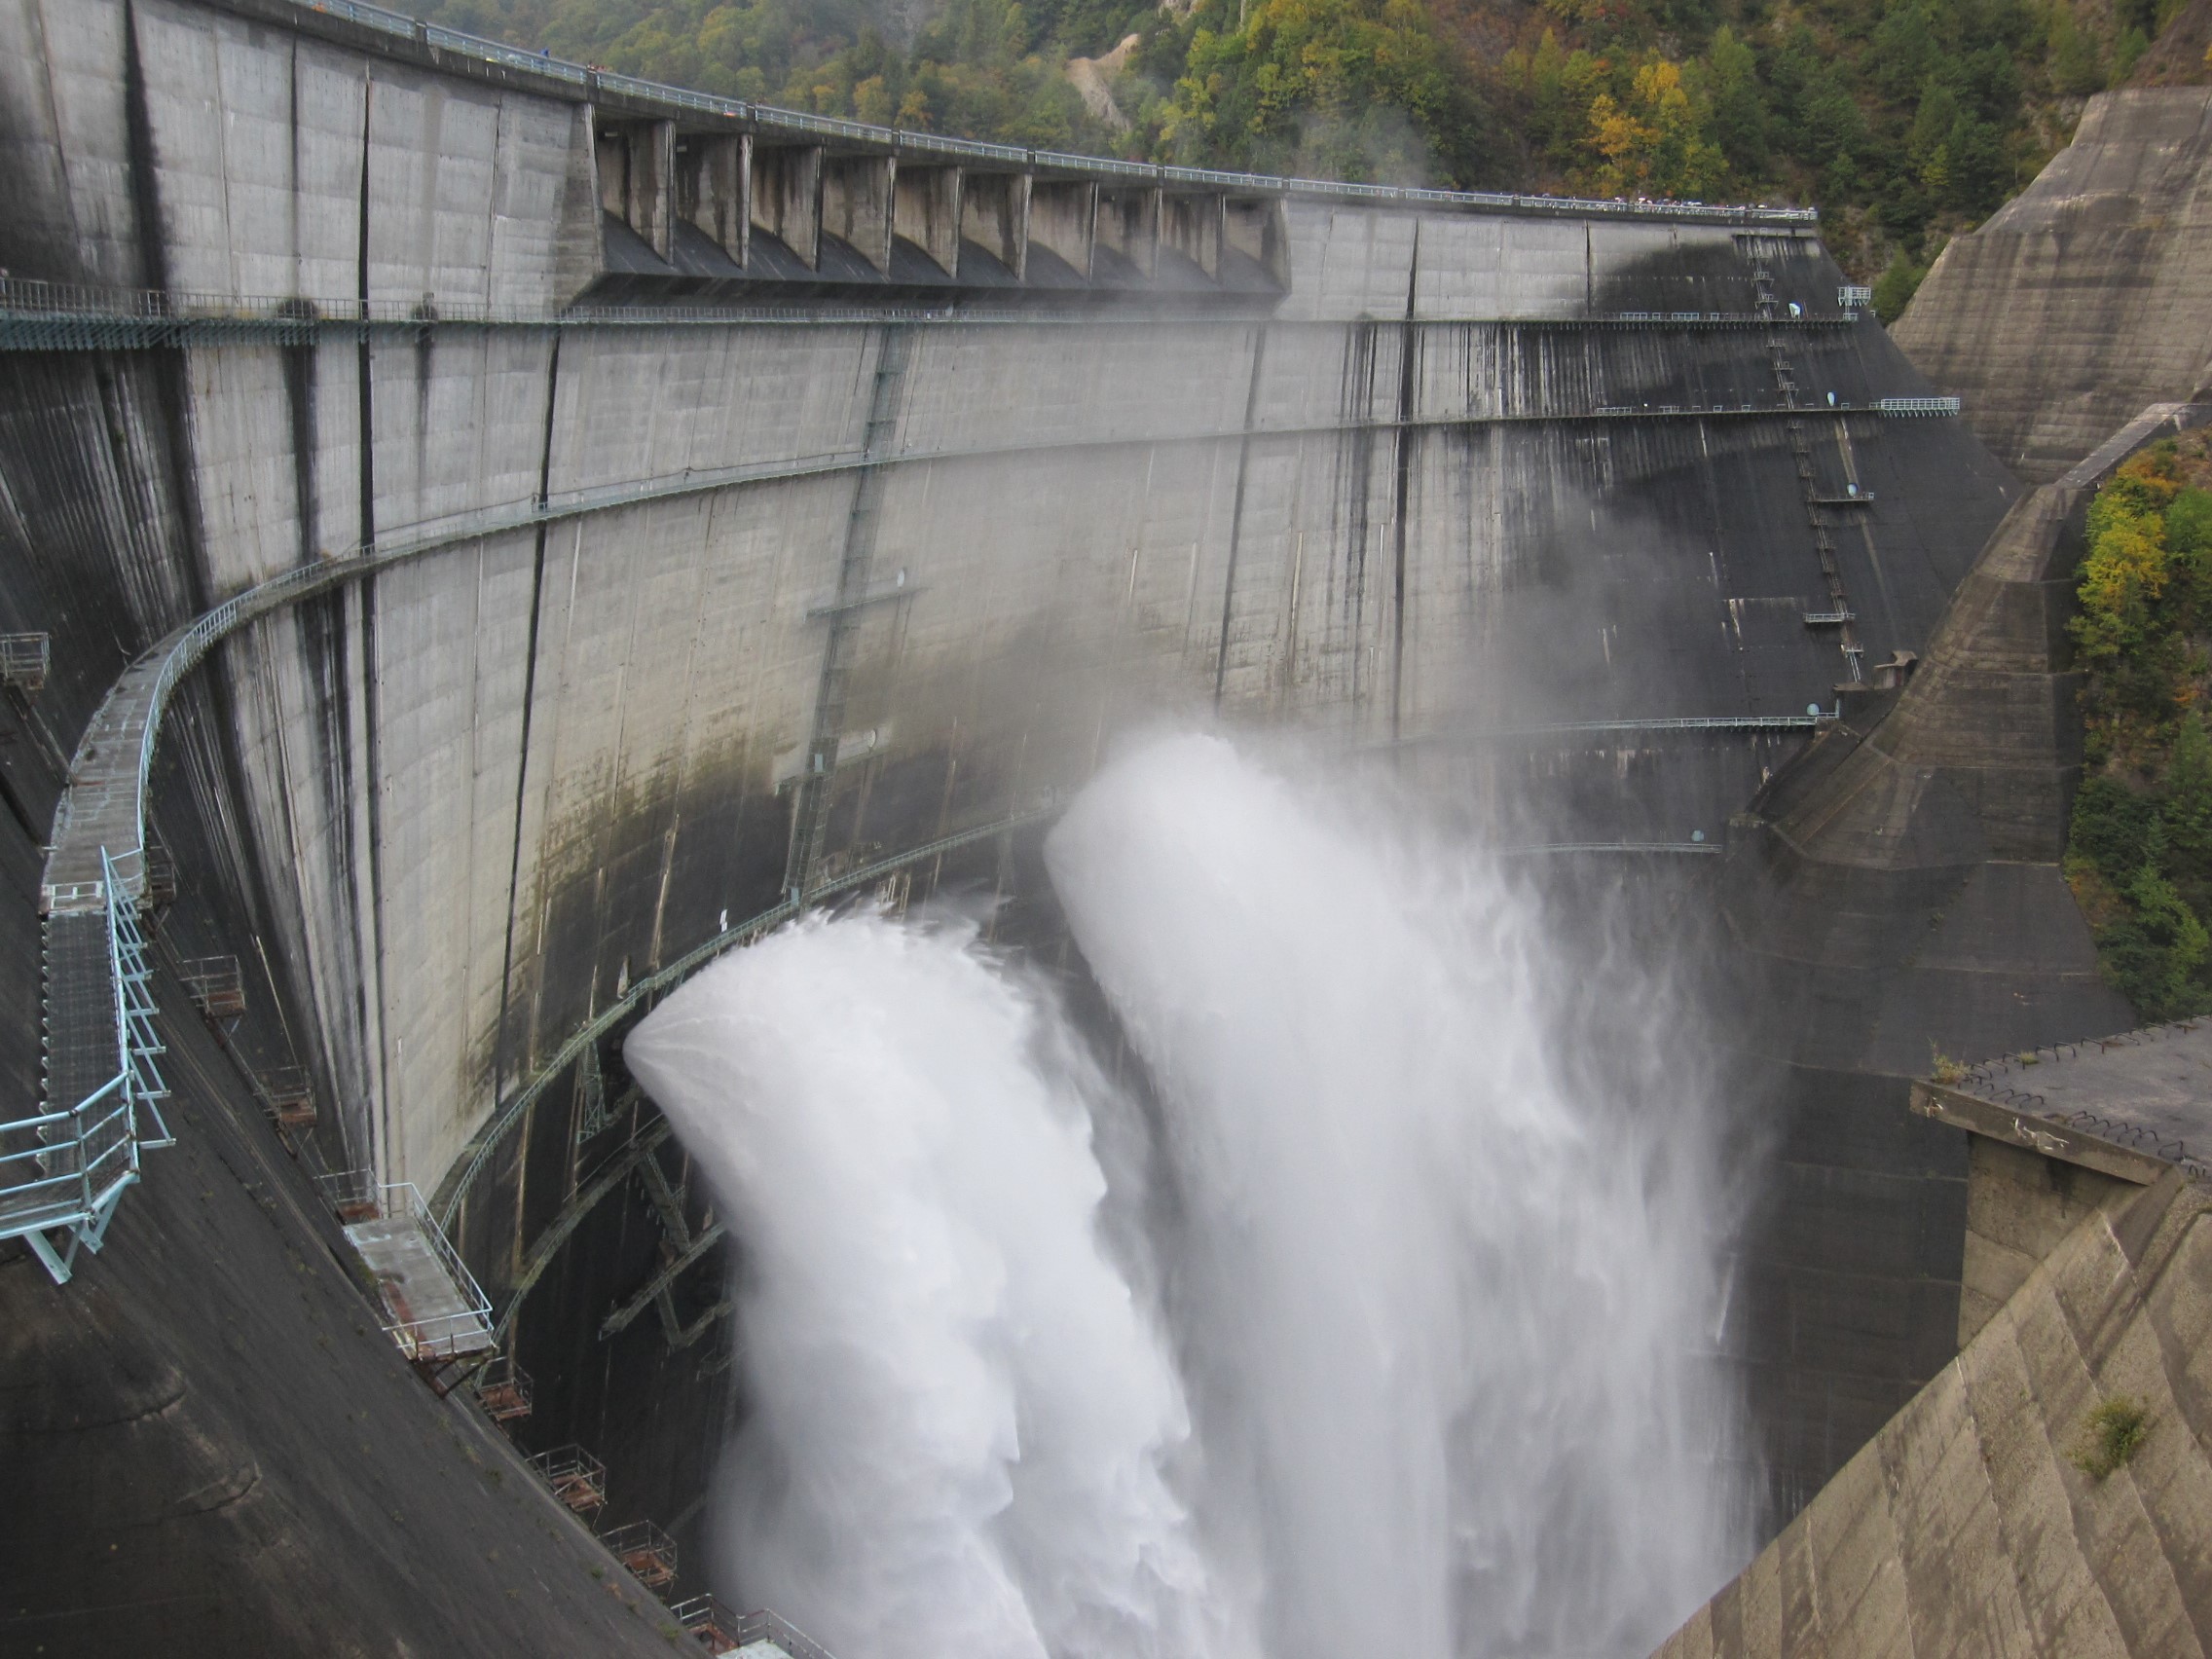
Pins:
x,y
434,1309
721,1630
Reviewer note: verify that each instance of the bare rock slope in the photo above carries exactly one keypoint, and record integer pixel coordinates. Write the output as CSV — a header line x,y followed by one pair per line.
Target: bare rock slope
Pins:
x,y
2091,295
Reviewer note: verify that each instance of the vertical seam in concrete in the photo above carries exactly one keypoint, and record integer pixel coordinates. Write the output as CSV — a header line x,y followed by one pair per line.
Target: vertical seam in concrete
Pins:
x,y
50,109
371,665
145,202
173,391
529,698
1237,510
1402,491
1358,428
292,196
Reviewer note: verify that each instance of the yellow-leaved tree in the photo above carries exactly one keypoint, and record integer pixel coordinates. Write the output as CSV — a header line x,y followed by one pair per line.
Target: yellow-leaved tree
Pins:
x,y
1656,140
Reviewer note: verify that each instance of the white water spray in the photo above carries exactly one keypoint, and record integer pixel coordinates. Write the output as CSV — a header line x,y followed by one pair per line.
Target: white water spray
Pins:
x,y
1432,1290
1440,1294
959,1413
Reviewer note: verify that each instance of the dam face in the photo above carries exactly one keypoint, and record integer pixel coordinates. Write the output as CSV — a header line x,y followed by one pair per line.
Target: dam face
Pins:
x,y
694,506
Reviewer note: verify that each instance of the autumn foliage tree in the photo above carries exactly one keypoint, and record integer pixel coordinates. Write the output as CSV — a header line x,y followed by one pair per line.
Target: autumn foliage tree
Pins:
x,y
1655,142
2139,852
1906,121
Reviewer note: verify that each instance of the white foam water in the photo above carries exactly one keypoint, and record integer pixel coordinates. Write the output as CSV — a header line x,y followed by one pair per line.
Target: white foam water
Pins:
x,y
1443,1286
960,1415
1419,1373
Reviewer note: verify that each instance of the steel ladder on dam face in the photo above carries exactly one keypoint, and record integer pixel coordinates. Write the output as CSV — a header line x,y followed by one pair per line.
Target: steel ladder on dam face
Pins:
x,y
63,1169
811,813
1839,613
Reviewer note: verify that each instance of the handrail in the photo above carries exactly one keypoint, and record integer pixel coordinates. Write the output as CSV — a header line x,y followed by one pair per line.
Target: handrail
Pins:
x,y
433,1336
1812,720
768,117
36,298
87,1167
1654,848
31,300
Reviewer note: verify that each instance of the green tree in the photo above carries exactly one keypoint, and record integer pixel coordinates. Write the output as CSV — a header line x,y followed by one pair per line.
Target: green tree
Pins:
x,y
2155,953
2187,814
1349,88
2139,849
1739,104
1895,288
2077,65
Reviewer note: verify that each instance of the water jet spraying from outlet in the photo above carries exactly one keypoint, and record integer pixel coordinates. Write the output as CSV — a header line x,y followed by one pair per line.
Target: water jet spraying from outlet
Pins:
x,y
1418,1369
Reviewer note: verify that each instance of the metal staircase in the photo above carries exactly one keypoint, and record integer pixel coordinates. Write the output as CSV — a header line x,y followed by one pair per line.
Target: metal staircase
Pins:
x,y
63,1169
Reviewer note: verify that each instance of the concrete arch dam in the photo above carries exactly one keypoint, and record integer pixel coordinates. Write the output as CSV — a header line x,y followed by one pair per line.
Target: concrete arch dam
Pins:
x,y
671,503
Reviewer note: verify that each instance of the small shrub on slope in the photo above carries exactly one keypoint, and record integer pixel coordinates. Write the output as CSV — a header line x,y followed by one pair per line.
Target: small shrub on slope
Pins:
x,y
2111,1435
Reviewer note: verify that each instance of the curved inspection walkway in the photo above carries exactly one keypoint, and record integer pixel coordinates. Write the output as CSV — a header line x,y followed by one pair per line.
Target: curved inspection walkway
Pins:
x,y
102,805
509,1112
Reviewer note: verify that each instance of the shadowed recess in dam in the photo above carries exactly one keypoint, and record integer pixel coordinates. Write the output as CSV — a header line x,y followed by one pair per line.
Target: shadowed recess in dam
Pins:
x,y
1380,1319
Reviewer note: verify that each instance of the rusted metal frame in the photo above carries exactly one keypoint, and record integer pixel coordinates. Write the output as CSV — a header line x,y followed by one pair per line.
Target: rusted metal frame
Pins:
x,y
680,1336
658,1288
667,1203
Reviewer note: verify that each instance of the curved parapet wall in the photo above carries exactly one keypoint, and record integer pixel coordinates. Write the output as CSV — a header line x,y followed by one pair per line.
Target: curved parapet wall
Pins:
x,y
2089,295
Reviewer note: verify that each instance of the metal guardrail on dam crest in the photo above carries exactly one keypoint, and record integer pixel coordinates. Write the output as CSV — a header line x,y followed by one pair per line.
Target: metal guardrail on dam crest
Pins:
x,y
39,315
565,79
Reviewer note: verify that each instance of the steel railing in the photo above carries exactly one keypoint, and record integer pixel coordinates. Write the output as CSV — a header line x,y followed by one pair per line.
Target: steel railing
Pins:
x,y
760,1625
25,659
647,1553
437,1335
63,1170
726,1632
44,315
577,1477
